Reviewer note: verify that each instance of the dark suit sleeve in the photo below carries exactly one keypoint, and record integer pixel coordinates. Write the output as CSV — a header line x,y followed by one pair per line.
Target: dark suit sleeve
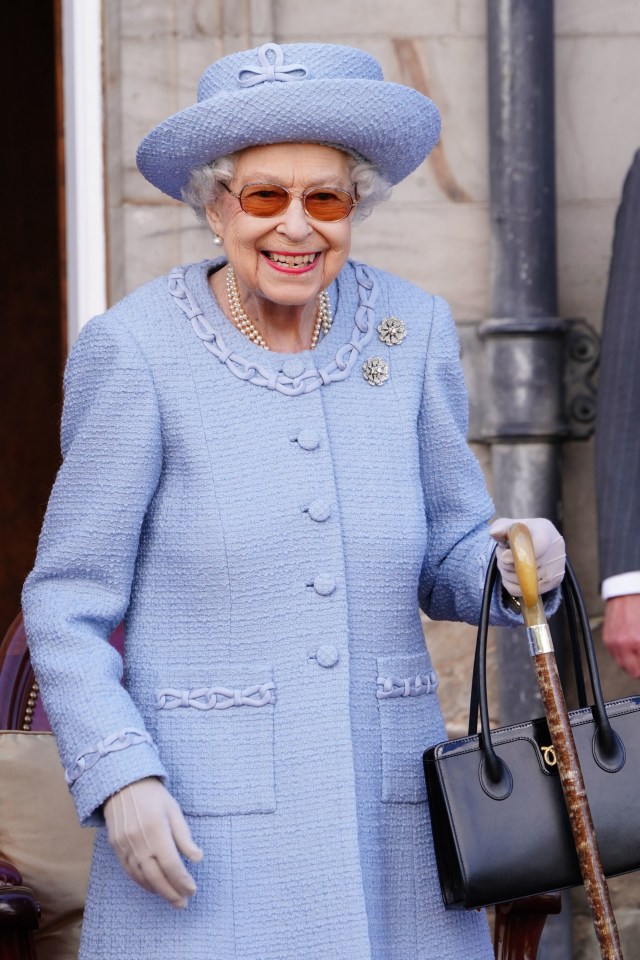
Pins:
x,y
618,418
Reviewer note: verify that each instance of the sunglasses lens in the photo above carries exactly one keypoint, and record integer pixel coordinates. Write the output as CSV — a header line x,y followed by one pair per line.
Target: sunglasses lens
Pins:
x,y
270,199
263,199
328,205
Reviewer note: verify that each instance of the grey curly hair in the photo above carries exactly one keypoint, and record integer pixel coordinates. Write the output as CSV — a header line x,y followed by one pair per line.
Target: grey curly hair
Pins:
x,y
204,183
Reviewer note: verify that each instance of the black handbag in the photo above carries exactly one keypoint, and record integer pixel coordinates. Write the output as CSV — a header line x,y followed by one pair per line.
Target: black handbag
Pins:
x,y
500,826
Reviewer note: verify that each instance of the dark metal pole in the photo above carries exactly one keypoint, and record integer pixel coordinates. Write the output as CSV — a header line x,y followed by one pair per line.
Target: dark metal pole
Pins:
x,y
524,341
522,158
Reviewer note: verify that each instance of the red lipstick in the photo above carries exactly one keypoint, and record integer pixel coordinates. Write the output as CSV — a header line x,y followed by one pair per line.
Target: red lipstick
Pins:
x,y
284,268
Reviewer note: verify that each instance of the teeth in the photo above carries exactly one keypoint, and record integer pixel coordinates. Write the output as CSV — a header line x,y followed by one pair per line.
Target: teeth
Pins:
x,y
296,261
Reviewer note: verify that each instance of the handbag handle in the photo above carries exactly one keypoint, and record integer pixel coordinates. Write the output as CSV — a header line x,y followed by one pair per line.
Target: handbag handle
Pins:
x,y
607,745
574,637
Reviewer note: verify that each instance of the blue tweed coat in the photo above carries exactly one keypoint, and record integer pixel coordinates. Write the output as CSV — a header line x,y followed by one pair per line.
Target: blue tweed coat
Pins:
x,y
267,526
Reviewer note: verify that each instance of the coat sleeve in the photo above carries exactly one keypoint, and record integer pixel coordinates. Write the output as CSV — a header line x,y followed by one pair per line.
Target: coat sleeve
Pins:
x,y
80,586
617,440
457,505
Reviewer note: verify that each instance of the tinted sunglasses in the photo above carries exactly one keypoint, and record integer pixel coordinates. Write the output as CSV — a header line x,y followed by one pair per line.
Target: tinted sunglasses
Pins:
x,y
270,199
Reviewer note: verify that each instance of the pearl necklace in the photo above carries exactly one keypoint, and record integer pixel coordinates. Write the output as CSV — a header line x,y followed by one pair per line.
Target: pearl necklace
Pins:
x,y
324,318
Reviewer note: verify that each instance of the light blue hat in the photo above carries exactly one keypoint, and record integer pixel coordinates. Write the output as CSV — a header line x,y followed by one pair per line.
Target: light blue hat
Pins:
x,y
297,92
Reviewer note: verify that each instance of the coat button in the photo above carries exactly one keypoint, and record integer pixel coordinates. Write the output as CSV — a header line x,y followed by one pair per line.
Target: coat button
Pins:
x,y
293,367
319,510
327,656
324,585
308,440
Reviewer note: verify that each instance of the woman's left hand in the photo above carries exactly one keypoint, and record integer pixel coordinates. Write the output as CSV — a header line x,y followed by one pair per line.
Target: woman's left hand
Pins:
x,y
548,546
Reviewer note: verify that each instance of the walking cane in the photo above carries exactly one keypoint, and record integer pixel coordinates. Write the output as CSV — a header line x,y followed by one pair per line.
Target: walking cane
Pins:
x,y
555,708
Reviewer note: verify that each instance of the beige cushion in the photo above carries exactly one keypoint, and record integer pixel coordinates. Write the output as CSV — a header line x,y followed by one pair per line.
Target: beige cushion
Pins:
x,y
41,836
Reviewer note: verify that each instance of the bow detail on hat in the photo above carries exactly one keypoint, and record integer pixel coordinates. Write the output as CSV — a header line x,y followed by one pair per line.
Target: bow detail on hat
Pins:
x,y
268,70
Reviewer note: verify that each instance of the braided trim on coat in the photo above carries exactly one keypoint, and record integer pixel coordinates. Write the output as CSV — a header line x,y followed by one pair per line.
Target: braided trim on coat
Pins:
x,y
418,686
337,369
216,698
129,737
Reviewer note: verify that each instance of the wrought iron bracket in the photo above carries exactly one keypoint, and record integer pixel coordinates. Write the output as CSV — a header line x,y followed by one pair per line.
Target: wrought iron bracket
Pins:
x,y
530,380
581,358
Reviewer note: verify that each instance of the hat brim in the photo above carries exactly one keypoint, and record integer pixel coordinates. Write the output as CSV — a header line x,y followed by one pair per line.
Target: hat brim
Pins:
x,y
392,126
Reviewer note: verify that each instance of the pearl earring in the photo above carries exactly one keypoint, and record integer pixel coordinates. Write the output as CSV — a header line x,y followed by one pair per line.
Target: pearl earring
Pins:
x,y
217,240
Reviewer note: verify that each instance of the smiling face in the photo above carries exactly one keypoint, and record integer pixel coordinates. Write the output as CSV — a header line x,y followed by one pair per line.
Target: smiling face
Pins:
x,y
289,258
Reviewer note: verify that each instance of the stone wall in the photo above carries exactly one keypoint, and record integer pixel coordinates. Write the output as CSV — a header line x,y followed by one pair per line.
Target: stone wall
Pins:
x,y
435,229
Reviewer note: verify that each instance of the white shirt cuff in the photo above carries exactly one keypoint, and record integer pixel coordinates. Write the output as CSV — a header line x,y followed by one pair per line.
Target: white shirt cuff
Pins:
x,y
621,585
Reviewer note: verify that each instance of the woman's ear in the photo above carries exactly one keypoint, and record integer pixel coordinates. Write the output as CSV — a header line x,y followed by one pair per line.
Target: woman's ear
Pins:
x,y
212,213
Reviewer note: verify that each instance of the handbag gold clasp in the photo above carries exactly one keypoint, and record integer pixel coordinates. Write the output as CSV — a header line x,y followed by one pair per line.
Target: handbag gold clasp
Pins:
x,y
549,756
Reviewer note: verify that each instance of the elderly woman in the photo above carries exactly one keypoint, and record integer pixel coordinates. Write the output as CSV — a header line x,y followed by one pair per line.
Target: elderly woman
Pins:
x,y
265,474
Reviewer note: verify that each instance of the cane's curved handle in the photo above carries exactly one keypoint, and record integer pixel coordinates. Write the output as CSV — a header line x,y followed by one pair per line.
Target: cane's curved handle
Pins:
x,y
524,559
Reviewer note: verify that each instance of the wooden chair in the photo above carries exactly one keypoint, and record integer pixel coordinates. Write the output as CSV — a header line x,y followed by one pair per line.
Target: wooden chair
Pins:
x,y
19,915
21,710
18,686
519,924
20,704
19,911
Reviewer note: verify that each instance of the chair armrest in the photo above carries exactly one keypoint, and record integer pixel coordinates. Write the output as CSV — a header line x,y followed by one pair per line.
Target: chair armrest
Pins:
x,y
18,906
10,876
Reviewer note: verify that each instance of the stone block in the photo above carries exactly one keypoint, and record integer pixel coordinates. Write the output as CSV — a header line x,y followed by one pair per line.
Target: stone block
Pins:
x,y
261,20
442,247
597,114
149,93
159,79
453,72
472,18
162,236
580,17
142,19
571,18
585,234
151,20
197,240
295,21
150,90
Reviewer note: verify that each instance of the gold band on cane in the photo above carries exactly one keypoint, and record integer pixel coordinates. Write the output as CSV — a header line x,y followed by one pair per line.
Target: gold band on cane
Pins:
x,y
539,637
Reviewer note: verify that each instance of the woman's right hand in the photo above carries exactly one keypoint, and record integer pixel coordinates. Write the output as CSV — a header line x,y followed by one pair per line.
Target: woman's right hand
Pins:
x,y
148,832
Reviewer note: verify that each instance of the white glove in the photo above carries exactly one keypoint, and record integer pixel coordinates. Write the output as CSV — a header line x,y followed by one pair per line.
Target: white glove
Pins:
x,y
148,832
548,546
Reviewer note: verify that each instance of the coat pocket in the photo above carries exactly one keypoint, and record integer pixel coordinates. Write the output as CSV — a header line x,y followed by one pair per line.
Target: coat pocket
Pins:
x,y
216,741
409,715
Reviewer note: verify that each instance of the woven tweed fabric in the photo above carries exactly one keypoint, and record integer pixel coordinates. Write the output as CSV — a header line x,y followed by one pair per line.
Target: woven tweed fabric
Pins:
x,y
341,98
269,554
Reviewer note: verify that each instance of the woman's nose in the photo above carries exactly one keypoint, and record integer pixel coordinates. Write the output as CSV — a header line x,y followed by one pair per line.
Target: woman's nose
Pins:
x,y
294,222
